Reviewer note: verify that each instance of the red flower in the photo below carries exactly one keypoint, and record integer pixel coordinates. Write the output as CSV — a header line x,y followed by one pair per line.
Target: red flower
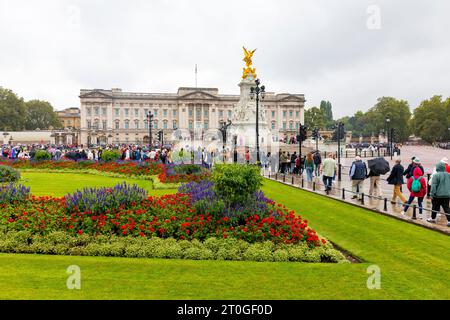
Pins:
x,y
80,232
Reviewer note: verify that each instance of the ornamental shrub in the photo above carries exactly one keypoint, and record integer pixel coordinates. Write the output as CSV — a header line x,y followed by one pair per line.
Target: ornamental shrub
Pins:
x,y
236,183
187,169
8,174
41,155
110,155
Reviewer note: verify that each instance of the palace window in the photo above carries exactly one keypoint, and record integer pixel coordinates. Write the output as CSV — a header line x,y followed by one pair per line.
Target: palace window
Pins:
x,y
206,125
117,112
206,113
291,125
191,112
284,125
165,125
136,113
89,124
221,113
284,114
273,124
165,113
229,114
127,112
291,113
136,125
104,125
174,125
146,124
104,111
155,124
96,111
273,114
155,112
297,113
198,114
117,123
88,111
191,125
127,124
174,113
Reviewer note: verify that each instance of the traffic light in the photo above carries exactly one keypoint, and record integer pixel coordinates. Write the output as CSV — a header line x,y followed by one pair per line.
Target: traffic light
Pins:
x,y
316,134
302,133
339,132
160,135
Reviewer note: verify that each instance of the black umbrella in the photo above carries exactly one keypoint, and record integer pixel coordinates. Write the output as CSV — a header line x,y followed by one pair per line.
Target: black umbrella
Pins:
x,y
379,165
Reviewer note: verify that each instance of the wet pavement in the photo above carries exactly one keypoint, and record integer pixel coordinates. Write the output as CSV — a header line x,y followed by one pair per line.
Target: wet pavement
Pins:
x,y
429,157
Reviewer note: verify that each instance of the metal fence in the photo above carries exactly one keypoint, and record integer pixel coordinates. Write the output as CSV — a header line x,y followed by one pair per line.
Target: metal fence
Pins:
x,y
299,181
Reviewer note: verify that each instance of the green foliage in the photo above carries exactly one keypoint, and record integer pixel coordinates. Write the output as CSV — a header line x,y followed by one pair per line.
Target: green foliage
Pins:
x,y
431,120
188,169
8,174
315,117
110,155
236,183
40,115
326,108
61,243
12,111
41,155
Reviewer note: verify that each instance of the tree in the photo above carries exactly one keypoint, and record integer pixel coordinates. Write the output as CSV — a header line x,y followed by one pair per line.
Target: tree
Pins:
x,y
431,119
40,115
12,111
314,117
326,108
388,107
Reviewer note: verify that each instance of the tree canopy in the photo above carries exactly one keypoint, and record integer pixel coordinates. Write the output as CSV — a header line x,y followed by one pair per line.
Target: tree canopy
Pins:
x,y
17,115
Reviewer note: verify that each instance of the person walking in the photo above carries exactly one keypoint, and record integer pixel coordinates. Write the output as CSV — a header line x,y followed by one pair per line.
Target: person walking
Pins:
x,y
417,186
317,162
415,162
309,167
440,193
293,158
358,172
247,156
374,180
328,171
396,178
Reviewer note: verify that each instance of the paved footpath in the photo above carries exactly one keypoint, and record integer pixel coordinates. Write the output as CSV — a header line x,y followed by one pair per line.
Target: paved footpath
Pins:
x,y
383,204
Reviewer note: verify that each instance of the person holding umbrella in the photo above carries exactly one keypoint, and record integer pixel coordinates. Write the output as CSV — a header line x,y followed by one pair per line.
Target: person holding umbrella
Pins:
x,y
377,167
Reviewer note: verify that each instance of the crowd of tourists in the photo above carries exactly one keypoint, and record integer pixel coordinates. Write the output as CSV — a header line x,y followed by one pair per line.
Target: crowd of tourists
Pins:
x,y
417,184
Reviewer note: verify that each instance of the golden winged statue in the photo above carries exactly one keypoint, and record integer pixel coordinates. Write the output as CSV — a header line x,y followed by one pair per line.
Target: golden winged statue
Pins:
x,y
248,70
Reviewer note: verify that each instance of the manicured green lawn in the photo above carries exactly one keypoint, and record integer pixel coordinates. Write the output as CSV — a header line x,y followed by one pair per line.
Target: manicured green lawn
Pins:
x,y
60,184
414,262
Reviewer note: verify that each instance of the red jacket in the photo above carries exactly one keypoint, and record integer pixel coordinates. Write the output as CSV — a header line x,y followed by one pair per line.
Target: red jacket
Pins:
x,y
423,191
447,167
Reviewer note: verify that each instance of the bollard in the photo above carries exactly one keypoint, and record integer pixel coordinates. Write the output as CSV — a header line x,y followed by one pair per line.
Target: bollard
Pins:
x,y
269,174
303,183
414,216
346,155
362,198
314,186
428,185
284,177
385,204
292,180
276,176
343,193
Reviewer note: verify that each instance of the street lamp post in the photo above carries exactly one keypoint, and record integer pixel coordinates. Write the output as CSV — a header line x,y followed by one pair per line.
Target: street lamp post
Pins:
x,y
149,120
387,122
257,92
340,130
223,130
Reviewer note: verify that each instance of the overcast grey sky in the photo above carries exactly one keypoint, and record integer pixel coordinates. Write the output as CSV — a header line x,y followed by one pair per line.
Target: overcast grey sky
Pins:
x,y
327,49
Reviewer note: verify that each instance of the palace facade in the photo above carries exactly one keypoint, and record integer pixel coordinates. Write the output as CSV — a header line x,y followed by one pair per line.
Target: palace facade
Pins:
x,y
116,117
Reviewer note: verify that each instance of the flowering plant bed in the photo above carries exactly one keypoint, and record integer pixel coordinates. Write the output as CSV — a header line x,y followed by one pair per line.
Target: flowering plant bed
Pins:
x,y
144,169
125,211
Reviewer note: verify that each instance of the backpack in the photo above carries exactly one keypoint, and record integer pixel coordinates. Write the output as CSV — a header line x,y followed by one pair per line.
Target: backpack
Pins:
x,y
416,186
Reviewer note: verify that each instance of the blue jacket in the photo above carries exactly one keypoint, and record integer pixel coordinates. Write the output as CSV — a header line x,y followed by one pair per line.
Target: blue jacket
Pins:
x,y
358,170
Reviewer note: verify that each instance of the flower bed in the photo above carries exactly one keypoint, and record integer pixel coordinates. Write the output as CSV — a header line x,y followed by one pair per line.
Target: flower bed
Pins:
x,y
166,174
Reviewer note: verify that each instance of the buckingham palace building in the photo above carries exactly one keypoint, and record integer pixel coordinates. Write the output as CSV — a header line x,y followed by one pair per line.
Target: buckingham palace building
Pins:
x,y
118,117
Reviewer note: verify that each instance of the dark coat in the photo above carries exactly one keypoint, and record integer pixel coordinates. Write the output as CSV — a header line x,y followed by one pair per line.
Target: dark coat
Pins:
x,y
396,176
